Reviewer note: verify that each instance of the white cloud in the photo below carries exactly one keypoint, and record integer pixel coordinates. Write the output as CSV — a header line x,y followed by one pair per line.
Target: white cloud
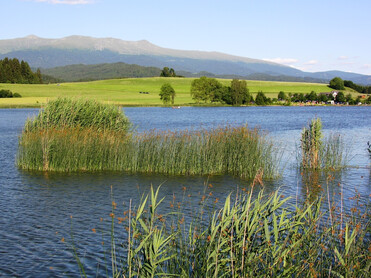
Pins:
x,y
66,2
311,62
284,61
343,58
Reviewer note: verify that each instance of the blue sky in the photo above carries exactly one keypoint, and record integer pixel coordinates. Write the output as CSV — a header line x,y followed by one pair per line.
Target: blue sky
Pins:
x,y
312,35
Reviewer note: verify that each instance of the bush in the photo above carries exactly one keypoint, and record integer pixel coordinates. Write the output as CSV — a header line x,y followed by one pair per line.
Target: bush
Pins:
x,y
6,94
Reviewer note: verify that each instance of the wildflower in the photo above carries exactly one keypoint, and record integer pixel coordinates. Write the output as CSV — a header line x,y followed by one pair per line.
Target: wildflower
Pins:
x,y
216,200
111,215
62,239
93,230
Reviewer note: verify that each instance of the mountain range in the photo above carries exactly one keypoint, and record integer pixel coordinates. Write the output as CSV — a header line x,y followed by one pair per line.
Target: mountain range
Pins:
x,y
50,53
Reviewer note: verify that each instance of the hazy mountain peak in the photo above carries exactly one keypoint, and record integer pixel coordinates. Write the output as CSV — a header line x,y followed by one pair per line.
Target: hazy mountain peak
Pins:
x,y
141,47
32,37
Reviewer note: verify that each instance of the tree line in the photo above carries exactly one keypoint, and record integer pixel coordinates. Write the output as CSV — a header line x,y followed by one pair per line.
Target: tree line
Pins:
x,y
13,71
339,84
210,90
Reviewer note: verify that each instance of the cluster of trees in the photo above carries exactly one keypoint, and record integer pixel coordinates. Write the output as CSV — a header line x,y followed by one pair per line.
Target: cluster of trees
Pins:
x,y
8,94
166,72
312,96
339,84
13,71
207,89
359,88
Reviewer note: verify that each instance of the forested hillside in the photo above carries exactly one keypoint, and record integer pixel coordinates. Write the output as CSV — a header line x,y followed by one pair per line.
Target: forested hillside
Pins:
x,y
13,71
101,71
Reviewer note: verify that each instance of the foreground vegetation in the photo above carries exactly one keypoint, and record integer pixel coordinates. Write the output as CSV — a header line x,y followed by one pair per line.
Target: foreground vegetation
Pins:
x,y
126,91
246,237
74,135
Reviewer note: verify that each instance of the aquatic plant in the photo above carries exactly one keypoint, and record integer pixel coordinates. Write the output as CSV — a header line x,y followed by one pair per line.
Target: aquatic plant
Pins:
x,y
237,151
78,112
311,142
317,153
245,237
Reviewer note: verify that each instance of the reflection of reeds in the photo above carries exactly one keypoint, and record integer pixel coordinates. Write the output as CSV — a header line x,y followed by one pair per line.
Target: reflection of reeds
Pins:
x,y
237,151
321,154
264,237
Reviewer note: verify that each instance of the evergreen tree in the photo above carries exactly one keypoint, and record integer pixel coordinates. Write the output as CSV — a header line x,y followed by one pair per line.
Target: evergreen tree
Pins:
x,y
13,71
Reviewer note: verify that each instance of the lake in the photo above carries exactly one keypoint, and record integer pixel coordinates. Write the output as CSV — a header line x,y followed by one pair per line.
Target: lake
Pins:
x,y
36,208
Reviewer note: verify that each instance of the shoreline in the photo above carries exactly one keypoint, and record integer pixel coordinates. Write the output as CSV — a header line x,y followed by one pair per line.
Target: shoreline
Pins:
x,y
16,106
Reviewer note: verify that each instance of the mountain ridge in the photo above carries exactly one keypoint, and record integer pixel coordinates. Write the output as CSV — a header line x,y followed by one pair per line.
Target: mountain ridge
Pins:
x,y
49,53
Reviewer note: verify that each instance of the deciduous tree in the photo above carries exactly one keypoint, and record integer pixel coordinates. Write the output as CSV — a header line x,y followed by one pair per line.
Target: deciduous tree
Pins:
x,y
167,93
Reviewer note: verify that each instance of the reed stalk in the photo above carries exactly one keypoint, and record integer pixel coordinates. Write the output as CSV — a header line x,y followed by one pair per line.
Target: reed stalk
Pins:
x,y
237,151
264,237
317,153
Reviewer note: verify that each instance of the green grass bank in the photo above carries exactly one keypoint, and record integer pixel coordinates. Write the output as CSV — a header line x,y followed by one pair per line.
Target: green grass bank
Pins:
x,y
125,92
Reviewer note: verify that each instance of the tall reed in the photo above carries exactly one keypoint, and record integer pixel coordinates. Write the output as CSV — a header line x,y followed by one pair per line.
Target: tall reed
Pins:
x,y
237,151
317,153
77,112
246,237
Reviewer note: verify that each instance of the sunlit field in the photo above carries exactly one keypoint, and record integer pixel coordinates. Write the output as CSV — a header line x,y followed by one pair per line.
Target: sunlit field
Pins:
x,y
126,92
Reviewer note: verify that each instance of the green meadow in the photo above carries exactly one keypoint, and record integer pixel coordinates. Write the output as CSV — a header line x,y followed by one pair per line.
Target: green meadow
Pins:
x,y
125,92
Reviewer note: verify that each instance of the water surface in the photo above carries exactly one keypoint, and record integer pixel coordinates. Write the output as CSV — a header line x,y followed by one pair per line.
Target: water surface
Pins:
x,y
36,208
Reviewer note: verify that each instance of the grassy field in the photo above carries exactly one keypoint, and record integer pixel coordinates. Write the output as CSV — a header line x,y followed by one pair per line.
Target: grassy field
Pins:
x,y
126,91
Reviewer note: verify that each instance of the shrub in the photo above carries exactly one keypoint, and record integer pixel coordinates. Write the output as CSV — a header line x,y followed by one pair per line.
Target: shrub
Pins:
x,y
6,94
